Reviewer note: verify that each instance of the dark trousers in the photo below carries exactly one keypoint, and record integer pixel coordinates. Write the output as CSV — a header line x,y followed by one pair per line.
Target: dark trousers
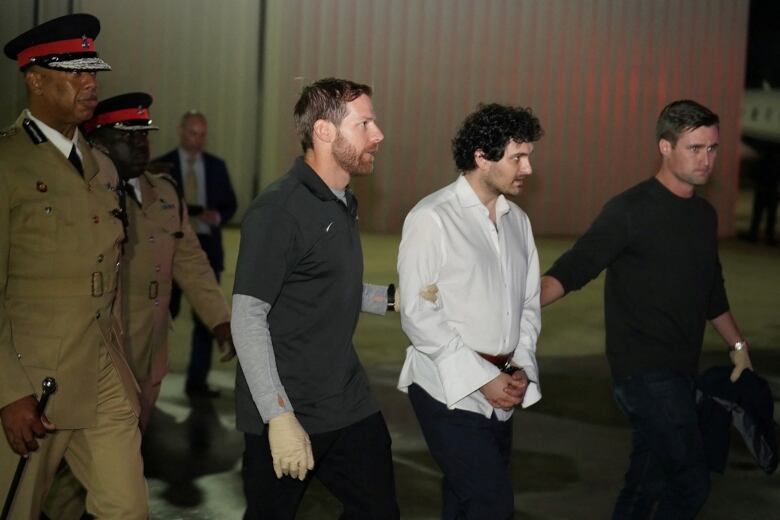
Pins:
x,y
667,477
765,199
473,452
353,463
200,352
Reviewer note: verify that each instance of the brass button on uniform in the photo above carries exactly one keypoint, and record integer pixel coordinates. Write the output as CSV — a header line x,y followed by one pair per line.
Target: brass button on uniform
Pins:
x,y
100,258
47,210
151,239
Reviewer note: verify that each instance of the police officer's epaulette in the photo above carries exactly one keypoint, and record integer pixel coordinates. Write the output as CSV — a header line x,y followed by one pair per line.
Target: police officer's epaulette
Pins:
x,y
8,132
33,131
167,177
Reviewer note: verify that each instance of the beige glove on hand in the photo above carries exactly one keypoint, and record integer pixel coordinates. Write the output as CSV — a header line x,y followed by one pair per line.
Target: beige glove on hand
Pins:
x,y
290,446
741,361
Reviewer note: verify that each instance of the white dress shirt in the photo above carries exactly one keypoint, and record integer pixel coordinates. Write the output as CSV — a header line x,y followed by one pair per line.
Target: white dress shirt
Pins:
x,y
135,182
488,299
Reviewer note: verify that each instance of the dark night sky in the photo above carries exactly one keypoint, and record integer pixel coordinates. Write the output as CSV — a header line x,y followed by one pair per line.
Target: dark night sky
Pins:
x,y
763,54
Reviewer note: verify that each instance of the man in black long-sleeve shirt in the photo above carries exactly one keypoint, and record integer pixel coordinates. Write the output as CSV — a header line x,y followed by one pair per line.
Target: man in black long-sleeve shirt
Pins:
x,y
658,242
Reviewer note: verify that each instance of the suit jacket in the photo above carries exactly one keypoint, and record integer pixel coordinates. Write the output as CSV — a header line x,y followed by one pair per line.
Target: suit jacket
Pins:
x,y
162,246
59,260
219,197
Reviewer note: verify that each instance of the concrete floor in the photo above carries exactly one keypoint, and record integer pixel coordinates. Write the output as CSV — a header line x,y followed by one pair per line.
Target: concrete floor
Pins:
x,y
570,450
570,454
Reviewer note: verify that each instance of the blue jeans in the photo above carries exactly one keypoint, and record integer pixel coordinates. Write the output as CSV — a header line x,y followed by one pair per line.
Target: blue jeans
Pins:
x,y
667,477
474,454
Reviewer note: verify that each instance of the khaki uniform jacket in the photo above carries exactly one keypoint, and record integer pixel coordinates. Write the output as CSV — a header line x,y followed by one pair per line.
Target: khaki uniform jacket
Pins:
x,y
59,261
161,245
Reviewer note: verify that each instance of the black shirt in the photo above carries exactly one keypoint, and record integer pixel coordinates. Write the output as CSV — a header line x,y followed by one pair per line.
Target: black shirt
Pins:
x,y
300,252
663,278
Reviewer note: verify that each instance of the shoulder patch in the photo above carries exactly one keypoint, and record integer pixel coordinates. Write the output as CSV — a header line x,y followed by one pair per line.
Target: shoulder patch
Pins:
x,y
167,178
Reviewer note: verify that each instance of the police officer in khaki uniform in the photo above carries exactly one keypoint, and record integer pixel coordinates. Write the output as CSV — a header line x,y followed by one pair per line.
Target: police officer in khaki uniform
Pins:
x,y
60,239
161,246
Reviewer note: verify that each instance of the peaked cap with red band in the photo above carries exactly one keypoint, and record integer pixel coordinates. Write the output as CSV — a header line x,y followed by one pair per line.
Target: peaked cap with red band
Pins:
x,y
65,43
127,112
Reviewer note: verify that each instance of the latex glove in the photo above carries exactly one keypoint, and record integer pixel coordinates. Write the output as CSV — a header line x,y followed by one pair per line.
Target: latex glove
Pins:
x,y
290,446
741,361
430,292
225,341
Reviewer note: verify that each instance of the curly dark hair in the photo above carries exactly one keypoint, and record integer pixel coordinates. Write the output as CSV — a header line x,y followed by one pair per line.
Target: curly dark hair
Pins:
x,y
490,128
680,116
324,99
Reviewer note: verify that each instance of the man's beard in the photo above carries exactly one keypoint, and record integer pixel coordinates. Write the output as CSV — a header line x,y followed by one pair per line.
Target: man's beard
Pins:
x,y
350,159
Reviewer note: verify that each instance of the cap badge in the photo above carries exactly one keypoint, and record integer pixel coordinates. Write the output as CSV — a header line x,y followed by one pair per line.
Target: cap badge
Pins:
x,y
84,42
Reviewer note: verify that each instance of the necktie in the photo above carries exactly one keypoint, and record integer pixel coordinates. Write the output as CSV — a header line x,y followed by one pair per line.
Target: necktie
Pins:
x,y
191,196
191,183
75,161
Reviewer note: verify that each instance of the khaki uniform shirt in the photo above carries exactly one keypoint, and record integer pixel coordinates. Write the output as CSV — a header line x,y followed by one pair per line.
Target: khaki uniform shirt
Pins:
x,y
161,245
59,261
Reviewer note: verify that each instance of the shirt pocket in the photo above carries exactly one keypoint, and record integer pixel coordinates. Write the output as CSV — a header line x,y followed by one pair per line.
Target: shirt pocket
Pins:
x,y
45,225
35,225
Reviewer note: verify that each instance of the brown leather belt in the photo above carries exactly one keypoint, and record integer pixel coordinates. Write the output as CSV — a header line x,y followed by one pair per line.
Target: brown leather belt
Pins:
x,y
499,361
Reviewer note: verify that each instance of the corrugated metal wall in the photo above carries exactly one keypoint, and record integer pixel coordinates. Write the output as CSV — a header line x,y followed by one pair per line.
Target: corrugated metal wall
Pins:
x,y
200,54
189,54
596,72
17,16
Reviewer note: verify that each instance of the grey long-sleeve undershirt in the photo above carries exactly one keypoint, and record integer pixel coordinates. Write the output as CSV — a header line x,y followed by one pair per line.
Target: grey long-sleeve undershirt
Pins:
x,y
252,339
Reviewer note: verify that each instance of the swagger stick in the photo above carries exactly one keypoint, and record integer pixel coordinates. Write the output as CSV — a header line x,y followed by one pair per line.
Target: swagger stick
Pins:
x,y
49,386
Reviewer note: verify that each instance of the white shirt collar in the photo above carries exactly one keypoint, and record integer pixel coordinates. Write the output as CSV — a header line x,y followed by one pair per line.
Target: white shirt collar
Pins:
x,y
135,182
468,198
62,143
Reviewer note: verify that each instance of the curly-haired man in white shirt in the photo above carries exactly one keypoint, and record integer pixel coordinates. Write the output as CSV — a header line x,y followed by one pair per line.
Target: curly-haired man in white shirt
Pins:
x,y
474,329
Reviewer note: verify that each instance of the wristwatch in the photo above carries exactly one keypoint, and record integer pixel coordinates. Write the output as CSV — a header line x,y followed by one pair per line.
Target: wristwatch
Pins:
x,y
739,345
391,297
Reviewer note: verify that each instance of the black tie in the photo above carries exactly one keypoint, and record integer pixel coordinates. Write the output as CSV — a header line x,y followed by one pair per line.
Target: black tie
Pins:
x,y
75,161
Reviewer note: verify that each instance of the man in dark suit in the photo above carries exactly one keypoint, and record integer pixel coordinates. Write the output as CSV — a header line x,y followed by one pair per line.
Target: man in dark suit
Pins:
x,y
203,181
